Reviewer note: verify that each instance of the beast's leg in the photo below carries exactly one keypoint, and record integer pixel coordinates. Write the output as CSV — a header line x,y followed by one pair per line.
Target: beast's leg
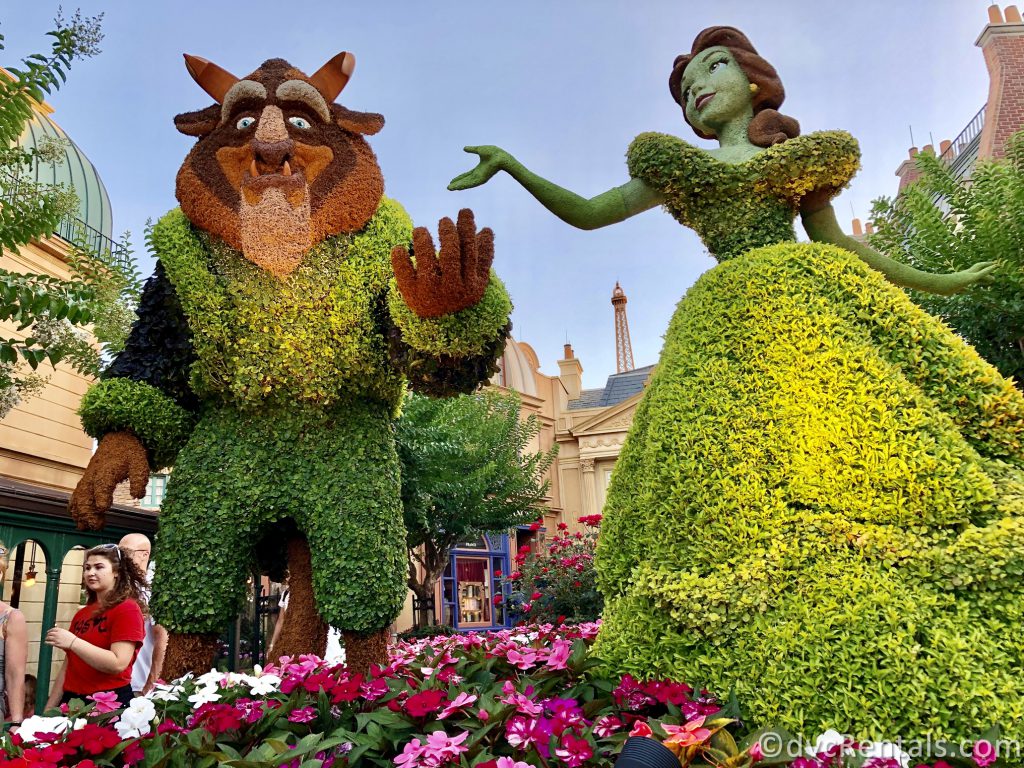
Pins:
x,y
303,631
363,651
189,652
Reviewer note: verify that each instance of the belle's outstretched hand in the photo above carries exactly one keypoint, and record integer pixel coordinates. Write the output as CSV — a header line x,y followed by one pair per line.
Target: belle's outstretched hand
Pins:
x,y
492,160
982,273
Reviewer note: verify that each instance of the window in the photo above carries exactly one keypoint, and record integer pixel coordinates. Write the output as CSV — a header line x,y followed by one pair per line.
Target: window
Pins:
x,y
474,591
155,491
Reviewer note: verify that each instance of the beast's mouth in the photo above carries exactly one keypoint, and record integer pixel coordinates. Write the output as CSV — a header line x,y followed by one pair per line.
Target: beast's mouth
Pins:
x,y
284,178
701,101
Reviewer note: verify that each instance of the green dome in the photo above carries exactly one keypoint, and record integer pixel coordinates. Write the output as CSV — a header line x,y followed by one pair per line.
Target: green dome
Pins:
x,y
76,171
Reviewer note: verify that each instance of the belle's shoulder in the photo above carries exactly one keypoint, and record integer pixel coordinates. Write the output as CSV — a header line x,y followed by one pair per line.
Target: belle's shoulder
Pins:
x,y
659,154
823,160
820,145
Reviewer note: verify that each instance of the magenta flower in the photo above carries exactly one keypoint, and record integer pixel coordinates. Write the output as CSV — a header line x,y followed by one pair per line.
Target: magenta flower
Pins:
x,y
607,726
519,731
105,701
303,715
984,753
574,750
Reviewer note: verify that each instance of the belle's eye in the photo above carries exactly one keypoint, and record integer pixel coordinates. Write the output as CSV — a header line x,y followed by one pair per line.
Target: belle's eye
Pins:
x,y
244,123
299,122
686,95
717,65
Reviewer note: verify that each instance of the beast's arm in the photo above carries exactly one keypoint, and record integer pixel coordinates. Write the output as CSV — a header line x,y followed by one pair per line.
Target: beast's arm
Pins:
x,y
448,314
143,409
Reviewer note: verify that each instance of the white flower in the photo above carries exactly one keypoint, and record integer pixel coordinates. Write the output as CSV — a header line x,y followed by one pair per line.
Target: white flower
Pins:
x,y
33,726
829,739
141,707
211,678
204,696
885,749
166,693
264,685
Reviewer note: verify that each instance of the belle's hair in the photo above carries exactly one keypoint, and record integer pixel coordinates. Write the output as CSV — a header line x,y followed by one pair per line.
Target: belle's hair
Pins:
x,y
769,126
129,580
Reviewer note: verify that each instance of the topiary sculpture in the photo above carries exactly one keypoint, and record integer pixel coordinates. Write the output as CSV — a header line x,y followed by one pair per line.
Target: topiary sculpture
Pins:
x,y
273,345
820,503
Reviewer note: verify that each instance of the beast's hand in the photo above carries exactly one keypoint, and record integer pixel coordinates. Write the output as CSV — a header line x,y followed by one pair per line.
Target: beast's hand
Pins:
x,y
456,279
120,456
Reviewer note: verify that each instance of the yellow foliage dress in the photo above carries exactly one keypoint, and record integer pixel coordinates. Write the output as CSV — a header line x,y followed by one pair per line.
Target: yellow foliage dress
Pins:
x,y
820,504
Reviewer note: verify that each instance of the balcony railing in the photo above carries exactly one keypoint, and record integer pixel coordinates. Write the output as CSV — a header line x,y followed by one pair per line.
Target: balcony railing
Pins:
x,y
71,229
962,152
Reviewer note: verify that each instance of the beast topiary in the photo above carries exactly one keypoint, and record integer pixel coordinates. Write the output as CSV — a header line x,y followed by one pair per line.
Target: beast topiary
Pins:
x,y
820,504
272,350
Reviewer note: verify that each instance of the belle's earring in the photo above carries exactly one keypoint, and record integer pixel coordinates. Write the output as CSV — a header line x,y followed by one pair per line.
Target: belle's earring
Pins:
x,y
754,88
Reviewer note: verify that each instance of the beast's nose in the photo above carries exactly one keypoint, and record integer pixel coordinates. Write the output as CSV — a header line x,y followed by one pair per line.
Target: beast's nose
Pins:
x,y
271,155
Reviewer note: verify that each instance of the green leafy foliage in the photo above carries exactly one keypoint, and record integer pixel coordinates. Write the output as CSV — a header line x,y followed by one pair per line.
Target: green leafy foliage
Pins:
x,y
116,405
821,492
102,288
466,470
942,224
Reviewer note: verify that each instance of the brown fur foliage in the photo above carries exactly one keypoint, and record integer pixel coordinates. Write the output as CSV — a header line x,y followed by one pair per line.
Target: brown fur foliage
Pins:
x,y
120,456
321,166
365,651
440,284
769,126
188,652
130,580
303,631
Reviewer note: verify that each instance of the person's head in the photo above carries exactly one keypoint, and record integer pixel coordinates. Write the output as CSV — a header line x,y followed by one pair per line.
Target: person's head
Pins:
x,y
3,562
138,548
30,695
111,576
723,62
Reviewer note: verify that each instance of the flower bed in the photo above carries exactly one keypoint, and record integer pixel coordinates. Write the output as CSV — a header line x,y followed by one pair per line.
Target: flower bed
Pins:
x,y
511,699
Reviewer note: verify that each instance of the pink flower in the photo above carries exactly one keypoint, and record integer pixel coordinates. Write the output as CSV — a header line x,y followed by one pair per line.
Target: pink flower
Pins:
x,y
508,762
411,755
105,701
462,700
984,753
524,659
482,716
640,728
606,726
560,652
756,752
519,731
574,750
687,735
442,748
303,715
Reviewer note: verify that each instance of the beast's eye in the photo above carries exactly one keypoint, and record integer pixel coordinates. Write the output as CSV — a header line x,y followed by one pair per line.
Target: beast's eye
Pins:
x,y
299,122
244,123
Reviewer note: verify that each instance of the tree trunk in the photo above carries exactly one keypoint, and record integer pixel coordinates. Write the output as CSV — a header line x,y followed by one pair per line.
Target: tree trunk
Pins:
x,y
434,562
303,630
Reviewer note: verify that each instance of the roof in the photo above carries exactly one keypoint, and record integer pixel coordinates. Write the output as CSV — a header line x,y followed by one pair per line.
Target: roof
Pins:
x,y
74,170
619,387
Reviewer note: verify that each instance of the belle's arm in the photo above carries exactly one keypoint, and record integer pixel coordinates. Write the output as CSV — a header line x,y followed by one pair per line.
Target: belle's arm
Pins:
x,y
609,207
821,225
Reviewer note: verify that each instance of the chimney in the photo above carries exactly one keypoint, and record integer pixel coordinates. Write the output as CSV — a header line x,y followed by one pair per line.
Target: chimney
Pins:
x,y
1002,43
907,171
944,145
858,230
869,228
570,373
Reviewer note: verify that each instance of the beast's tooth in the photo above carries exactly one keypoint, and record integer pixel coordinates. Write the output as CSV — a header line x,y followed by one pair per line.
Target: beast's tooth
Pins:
x,y
253,170
287,169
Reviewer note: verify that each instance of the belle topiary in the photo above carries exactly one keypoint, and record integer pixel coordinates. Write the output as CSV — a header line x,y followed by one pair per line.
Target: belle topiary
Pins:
x,y
820,504
272,349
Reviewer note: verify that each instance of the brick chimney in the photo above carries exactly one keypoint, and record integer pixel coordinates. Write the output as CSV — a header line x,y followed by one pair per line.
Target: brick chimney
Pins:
x,y
907,171
1002,43
570,373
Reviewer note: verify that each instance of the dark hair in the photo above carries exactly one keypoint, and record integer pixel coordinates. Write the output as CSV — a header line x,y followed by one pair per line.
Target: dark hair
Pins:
x,y
769,126
129,580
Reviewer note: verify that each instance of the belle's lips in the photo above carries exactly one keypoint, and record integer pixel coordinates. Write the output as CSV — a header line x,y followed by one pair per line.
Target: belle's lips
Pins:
x,y
702,100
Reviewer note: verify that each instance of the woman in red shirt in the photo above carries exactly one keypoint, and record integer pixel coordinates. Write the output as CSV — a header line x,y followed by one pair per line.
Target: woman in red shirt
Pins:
x,y
106,633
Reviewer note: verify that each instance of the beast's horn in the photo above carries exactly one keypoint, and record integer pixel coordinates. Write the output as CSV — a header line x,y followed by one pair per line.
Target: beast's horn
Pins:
x,y
215,80
332,77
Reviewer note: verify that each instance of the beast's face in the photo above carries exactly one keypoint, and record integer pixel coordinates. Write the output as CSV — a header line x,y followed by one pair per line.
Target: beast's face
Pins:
x,y
278,166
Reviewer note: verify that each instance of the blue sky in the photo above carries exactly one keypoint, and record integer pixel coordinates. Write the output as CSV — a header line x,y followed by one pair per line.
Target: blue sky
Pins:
x,y
564,85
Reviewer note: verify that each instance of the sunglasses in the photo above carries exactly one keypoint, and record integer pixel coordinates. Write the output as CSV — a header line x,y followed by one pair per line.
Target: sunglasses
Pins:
x,y
106,547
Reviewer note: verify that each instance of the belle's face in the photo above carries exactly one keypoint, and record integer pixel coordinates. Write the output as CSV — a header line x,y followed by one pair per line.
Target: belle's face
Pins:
x,y
99,574
715,90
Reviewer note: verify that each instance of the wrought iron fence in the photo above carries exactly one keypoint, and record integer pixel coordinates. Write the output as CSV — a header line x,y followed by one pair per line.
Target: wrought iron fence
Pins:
x,y
71,229
967,135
